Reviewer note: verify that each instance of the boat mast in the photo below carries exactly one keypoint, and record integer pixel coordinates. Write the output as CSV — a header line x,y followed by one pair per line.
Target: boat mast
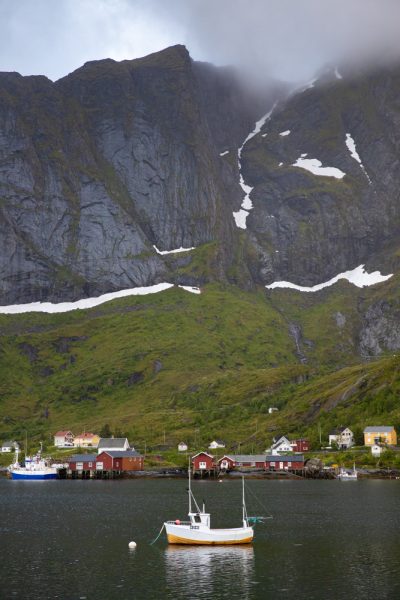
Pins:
x,y
244,505
190,488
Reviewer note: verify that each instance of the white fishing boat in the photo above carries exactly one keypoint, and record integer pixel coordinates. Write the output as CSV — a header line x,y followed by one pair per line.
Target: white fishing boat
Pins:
x,y
345,475
35,468
198,530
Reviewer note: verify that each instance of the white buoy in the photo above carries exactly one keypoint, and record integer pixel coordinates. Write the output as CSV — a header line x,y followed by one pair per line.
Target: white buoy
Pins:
x,y
132,545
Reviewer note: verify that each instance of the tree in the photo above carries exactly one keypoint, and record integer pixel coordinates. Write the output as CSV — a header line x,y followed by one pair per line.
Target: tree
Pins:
x,y
105,431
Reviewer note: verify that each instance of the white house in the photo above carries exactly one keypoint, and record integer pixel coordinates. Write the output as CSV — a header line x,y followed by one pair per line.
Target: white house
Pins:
x,y
9,446
182,447
118,444
280,444
343,437
217,444
64,439
377,450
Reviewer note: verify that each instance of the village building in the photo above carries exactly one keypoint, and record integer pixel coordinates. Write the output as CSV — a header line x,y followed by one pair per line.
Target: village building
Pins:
x,y
82,463
113,444
90,465
343,437
376,450
86,440
64,439
381,434
9,446
182,447
280,444
203,462
284,463
117,460
272,409
216,444
301,445
232,461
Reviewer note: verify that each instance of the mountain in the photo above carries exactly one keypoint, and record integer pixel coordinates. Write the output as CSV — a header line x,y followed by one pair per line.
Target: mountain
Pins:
x,y
107,171
114,159
312,227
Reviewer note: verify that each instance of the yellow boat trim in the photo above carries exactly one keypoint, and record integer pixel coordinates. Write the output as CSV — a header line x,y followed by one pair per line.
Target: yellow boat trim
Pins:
x,y
174,539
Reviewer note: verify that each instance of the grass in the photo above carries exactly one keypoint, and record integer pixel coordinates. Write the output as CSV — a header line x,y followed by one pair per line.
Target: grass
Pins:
x,y
193,367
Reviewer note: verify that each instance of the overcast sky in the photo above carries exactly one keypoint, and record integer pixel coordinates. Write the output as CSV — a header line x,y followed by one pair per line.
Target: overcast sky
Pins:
x,y
288,39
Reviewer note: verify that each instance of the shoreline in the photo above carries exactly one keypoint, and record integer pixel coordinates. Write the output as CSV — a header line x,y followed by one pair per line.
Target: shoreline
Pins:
x,y
178,473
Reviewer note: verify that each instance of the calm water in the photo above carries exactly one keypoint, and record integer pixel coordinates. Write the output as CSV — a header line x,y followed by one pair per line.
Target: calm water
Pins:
x,y
327,540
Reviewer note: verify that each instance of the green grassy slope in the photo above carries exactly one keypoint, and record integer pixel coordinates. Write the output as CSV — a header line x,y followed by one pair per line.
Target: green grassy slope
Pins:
x,y
194,367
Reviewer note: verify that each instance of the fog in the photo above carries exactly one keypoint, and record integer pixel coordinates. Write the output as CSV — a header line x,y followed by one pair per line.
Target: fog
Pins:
x,y
286,39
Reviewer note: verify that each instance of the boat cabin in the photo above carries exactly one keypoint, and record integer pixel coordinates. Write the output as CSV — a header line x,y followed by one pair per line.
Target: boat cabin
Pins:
x,y
199,519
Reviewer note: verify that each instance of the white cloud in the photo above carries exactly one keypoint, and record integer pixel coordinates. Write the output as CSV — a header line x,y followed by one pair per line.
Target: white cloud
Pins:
x,y
280,37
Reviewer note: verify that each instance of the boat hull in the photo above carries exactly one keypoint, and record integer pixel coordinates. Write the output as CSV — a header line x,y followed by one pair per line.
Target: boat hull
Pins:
x,y
181,534
33,476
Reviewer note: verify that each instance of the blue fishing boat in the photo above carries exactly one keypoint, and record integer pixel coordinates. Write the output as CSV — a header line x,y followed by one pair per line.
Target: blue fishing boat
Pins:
x,y
35,468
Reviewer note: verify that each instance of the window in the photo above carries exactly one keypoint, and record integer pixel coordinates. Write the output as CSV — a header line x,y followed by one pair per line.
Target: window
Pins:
x,y
202,465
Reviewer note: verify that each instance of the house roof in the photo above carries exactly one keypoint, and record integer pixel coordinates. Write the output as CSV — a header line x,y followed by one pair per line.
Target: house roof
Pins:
x,y
82,458
280,442
10,443
338,430
200,453
120,453
63,433
294,458
379,429
245,457
112,442
278,438
86,435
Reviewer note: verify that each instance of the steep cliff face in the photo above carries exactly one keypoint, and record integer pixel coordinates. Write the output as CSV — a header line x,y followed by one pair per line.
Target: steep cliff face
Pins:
x,y
116,158
309,226
102,165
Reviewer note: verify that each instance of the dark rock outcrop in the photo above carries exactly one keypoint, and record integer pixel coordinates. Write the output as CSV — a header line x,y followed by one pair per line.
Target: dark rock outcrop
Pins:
x,y
100,166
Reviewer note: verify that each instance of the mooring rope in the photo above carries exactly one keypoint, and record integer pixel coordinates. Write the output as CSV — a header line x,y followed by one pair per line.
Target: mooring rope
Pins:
x,y
154,541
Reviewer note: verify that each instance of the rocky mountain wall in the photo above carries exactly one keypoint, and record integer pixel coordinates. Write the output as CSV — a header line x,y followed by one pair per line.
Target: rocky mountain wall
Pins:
x,y
100,166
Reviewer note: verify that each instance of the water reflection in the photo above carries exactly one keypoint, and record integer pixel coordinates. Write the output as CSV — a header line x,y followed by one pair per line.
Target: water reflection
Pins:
x,y
209,571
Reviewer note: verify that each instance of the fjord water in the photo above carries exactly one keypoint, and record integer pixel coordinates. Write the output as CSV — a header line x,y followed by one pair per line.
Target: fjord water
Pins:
x,y
327,540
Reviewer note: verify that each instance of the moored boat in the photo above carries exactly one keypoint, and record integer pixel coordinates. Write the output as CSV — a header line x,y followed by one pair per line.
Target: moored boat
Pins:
x,y
198,530
35,468
345,475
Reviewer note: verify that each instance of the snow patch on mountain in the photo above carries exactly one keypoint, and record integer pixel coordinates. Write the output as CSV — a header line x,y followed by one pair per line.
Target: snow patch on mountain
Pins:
x,y
337,74
241,215
191,289
285,133
176,251
351,145
240,218
61,307
358,277
314,166
224,153
308,85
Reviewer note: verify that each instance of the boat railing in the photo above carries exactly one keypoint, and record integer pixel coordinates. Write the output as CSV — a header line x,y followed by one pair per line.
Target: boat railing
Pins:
x,y
178,522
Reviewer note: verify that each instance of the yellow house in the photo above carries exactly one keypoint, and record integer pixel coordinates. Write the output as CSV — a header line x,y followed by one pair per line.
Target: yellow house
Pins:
x,y
86,440
380,434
